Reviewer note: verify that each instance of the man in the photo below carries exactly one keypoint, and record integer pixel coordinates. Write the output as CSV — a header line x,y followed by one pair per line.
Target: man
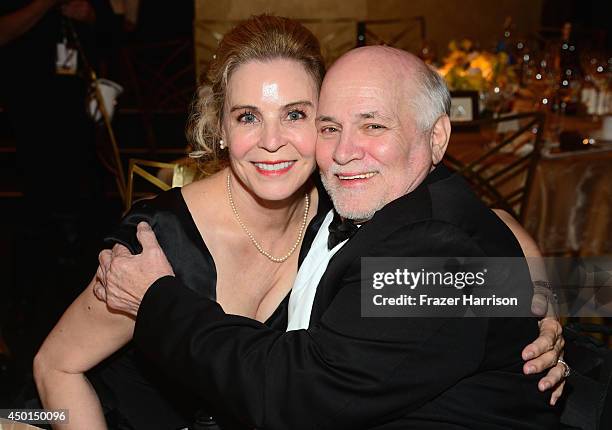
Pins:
x,y
383,127
54,142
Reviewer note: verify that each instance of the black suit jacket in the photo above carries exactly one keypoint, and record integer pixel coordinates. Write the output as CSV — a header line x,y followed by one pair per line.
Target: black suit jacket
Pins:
x,y
348,372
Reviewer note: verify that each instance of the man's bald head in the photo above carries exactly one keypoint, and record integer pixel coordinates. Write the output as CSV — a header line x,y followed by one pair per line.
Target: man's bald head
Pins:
x,y
420,88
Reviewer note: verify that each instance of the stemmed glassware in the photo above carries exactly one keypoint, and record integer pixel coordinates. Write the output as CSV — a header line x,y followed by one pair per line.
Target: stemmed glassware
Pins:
x,y
597,74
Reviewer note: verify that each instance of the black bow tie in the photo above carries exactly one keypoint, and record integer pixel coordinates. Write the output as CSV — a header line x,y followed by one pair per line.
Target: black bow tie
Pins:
x,y
340,230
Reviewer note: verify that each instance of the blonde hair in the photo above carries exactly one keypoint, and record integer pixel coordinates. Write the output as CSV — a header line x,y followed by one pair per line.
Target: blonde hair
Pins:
x,y
261,38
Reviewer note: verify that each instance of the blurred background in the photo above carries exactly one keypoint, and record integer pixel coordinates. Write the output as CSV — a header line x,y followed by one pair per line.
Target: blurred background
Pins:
x,y
94,96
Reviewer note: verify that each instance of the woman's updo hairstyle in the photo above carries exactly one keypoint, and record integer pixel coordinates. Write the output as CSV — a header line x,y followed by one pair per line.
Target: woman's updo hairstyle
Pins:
x,y
261,38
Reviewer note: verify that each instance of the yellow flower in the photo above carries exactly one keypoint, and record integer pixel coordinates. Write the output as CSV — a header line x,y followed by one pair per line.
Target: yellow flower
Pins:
x,y
464,69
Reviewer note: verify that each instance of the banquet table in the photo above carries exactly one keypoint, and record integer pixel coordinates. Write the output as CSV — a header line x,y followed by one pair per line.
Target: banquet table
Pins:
x,y
569,211
570,206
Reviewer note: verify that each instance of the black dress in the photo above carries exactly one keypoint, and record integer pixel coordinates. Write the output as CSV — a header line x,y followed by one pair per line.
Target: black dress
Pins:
x,y
134,394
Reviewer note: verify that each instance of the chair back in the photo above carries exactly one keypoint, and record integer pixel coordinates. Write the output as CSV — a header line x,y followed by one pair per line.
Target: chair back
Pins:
x,y
138,168
159,175
336,35
502,171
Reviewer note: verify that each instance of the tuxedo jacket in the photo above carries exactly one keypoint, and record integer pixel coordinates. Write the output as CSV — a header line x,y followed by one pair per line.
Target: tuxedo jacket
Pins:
x,y
347,371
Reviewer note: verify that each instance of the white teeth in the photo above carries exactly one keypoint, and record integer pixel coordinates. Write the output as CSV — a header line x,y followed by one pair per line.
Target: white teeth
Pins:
x,y
362,176
275,166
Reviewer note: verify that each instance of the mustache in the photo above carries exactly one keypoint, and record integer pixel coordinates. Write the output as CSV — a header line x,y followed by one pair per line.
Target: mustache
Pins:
x,y
336,169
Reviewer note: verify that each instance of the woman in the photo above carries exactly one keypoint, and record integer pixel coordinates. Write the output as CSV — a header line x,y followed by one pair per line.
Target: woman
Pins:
x,y
258,102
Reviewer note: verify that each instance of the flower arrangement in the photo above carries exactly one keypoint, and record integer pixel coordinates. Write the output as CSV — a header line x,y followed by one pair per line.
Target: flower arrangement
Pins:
x,y
466,68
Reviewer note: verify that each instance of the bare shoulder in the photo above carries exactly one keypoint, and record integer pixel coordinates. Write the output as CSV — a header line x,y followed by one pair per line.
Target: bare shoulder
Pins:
x,y
205,199
209,185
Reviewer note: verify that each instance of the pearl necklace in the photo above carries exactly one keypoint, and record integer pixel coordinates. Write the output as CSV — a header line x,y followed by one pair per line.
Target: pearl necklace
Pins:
x,y
254,241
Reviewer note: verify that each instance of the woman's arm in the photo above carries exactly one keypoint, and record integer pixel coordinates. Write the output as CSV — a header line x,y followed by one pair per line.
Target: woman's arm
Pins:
x,y
541,304
86,334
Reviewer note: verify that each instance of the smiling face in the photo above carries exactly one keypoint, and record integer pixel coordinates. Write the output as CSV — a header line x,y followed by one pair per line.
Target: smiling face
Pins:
x,y
268,125
369,149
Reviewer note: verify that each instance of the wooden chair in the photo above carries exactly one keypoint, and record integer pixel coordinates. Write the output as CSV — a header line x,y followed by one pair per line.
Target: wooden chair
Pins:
x,y
503,171
160,81
161,176
138,168
336,35
408,34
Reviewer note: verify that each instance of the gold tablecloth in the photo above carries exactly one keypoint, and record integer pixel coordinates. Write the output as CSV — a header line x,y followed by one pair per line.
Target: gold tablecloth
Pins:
x,y
570,206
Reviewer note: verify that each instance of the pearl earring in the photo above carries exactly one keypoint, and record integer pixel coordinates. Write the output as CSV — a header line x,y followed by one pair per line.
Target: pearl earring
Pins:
x,y
221,144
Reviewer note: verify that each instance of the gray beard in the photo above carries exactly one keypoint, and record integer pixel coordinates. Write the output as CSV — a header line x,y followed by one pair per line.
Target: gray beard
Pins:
x,y
360,216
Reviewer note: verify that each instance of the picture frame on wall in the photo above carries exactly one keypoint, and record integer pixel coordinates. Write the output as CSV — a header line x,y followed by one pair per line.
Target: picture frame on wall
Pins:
x,y
464,106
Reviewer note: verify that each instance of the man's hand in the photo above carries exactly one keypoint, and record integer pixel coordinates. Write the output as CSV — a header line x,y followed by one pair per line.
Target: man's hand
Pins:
x,y
123,278
544,353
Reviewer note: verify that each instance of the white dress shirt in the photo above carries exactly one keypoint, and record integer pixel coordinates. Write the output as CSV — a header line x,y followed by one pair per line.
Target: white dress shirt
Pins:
x,y
309,275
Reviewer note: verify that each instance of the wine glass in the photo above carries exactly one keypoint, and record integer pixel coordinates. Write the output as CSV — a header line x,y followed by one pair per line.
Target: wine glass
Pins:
x,y
596,70
543,79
